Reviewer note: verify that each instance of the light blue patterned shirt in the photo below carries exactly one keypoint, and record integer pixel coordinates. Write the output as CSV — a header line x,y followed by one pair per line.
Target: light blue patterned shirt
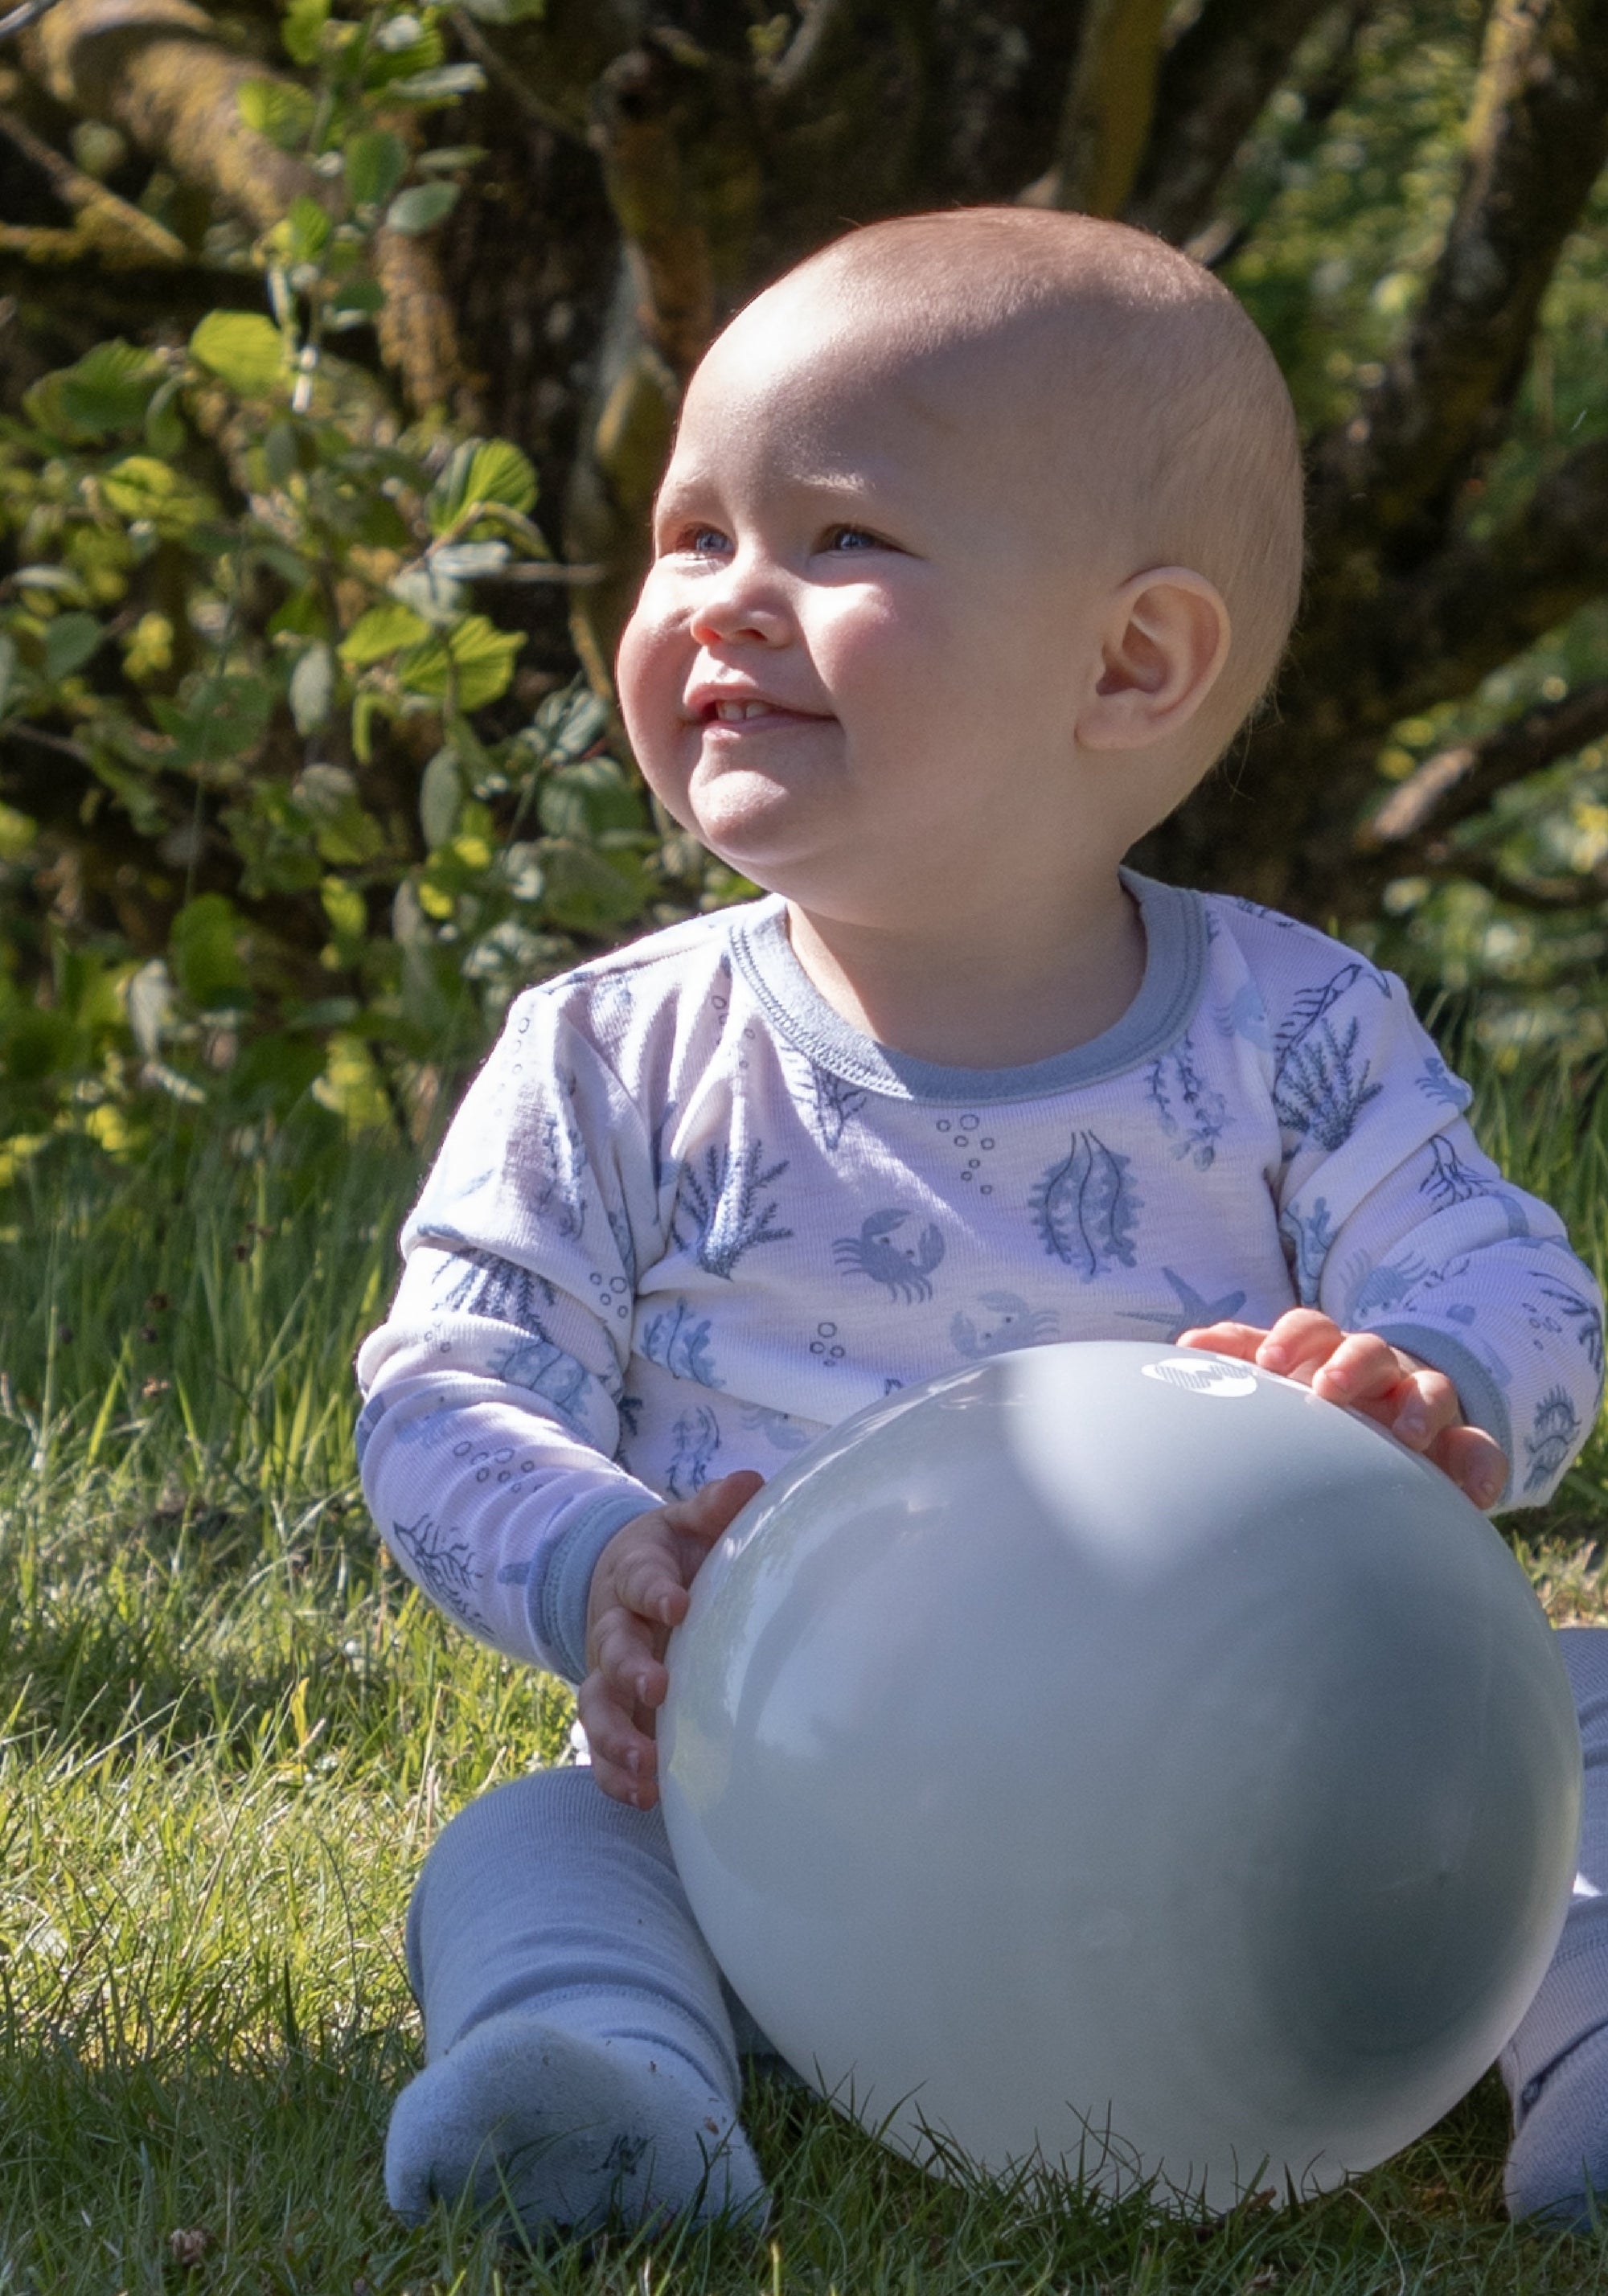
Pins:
x,y
686,1218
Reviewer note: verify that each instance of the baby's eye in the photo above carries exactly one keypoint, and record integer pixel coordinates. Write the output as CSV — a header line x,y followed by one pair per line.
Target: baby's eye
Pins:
x,y
700,542
840,539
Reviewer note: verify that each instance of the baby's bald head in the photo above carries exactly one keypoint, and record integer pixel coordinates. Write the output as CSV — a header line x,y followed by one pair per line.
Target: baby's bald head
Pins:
x,y
1129,380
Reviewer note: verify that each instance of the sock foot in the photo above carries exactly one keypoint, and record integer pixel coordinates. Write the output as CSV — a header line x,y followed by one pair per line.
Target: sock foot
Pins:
x,y
1557,2165
567,2132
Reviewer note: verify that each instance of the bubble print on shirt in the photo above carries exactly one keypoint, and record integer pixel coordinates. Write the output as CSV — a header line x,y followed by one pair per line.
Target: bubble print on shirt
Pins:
x,y
972,1143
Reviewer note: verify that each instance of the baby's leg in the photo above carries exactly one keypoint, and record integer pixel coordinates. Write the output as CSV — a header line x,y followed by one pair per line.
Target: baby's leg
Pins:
x,y
1556,2064
579,2059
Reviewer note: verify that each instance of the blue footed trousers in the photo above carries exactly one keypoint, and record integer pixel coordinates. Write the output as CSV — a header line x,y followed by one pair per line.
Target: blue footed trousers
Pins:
x,y
1556,2064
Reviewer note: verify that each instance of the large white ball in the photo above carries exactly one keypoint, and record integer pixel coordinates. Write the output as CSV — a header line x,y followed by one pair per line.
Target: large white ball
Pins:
x,y
1114,1756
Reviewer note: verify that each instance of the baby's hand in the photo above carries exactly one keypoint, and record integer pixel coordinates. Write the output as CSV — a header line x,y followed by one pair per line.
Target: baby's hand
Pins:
x,y
1418,1404
639,1592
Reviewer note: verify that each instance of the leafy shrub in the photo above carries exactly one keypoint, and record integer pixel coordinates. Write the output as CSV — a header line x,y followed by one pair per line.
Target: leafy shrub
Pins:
x,y
244,617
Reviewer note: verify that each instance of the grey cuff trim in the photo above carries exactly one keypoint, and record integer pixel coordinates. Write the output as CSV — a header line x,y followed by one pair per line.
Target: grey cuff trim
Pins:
x,y
566,1584
1483,1402
1176,941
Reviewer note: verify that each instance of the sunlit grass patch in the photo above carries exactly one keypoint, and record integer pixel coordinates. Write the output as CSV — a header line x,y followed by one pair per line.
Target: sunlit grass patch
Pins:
x,y
229,1730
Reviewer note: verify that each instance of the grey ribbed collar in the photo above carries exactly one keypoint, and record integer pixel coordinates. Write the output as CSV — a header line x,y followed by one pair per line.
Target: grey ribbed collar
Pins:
x,y
1174,963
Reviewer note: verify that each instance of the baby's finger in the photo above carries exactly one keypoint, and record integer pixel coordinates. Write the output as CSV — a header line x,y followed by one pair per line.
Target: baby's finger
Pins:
x,y
1364,1369
708,1512
1474,1461
624,1760
1426,1407
1241,1340
1300,1341
648,1583
623,1655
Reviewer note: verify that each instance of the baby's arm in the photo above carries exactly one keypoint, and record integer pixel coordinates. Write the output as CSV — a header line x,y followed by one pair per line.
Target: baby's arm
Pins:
x,y
494,1388
1361,1369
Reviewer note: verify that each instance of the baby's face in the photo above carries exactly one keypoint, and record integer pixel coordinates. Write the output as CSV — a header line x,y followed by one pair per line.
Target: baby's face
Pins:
x,y
874,613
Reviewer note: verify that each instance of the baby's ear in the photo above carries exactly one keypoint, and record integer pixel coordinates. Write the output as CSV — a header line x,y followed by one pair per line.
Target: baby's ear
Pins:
x,y
1165,643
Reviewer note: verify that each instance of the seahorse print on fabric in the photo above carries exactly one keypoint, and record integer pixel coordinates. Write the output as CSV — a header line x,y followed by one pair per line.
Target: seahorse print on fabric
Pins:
x,y
679,1342
906,1268
1198,1313
1008,1322
1557,1307
1085,1207
476,1282
1449,1181
443,1565
1246,1015
1307,1238
1190,1114
780,1431
835,1103
539,1364
723,1207
697,1434
1436,1081
1551,1438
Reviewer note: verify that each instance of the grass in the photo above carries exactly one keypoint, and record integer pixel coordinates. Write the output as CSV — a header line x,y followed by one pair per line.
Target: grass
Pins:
x,y
228,1731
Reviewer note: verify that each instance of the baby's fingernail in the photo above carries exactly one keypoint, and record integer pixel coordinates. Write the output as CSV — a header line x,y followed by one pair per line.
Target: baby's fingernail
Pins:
x,y
634,1763
1412,1423
1487,1488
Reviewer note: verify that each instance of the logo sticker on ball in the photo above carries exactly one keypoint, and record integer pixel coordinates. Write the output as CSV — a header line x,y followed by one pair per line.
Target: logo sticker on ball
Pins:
x,y
1202,1377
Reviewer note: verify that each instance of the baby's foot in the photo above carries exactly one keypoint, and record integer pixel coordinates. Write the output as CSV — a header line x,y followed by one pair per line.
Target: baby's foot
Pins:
x,y
1557,2165
567,2132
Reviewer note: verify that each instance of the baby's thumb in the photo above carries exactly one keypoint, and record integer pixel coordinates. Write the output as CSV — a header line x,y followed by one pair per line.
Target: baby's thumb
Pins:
x,y
710,1512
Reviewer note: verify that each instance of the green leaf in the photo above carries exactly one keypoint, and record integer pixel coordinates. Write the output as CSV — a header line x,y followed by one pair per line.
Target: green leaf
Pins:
x,y
140,486
204,947
8,669
277,108
106,391
313,689
505,12
382,630
242,350
449,157
304,20
482,469
585,893
440,799
442,84
479,656
420,207
375,163
164,431
69,640
306,228
218,718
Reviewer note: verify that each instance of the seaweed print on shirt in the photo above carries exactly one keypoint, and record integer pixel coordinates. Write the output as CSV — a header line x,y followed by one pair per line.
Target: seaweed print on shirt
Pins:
x,y
906,1268
1559,1308
720,1198
1320,1084
443,1564
556,1150
1190,1114
542,1367
835,1103
1450,1182
1307,1237
1085,1207
679,1341
697,1434
475,1282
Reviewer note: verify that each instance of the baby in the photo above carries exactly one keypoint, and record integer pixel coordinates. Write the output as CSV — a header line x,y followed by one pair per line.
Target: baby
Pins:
x,y
980,537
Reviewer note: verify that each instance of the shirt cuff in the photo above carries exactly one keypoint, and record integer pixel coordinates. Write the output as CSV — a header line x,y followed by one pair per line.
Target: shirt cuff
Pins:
x,y
566,1584
1483,1402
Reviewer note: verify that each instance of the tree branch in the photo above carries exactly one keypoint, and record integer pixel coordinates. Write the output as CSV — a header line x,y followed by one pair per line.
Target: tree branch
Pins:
x,y
1213,82
1537,141
1457,783
1106,123
106,228
155,69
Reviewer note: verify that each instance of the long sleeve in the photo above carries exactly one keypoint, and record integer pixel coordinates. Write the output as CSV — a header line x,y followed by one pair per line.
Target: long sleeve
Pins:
x,y
493,1391
1398,1222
